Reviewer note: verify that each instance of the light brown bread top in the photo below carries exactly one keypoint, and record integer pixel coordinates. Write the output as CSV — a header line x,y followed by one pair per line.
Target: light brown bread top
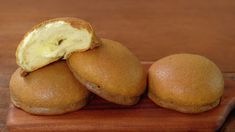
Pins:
x,y
54,39
53,86
112,67
186,80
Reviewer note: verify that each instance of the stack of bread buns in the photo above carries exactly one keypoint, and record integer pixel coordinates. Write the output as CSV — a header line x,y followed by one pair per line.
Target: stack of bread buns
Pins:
x,y
62,60
62,63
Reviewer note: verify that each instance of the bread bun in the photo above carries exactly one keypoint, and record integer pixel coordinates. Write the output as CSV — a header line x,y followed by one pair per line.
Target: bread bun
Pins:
x,y
54,39
110,71
185,82
50,90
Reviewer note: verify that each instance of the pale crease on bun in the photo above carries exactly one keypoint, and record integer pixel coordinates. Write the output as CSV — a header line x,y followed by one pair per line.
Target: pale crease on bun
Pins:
x,y
186,83
52,40
50,90
111,71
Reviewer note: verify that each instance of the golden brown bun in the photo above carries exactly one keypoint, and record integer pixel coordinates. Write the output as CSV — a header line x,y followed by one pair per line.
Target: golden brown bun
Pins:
x,y
110,71
185,82
50,90
54,42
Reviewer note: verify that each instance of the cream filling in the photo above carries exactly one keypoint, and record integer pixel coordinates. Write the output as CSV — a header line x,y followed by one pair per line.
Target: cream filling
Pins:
x,y
51,42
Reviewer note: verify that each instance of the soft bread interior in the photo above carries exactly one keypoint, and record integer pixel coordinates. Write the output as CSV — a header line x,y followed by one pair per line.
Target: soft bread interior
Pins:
x,y
51,42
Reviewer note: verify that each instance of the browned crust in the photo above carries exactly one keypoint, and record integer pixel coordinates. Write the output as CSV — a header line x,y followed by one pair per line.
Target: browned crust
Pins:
x,y
60,92
188,83
182,108
23,73
96,89
49,111
74,22
130,84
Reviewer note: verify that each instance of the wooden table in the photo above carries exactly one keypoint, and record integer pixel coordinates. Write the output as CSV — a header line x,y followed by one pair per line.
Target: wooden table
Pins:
x,y
151,29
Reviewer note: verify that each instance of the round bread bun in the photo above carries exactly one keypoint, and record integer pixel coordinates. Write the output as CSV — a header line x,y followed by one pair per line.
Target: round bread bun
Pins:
x,y
52,40
186,83
110,71
50,90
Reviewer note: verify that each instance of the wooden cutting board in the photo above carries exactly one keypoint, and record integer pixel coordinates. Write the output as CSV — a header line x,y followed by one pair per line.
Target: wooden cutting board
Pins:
x,y
101,115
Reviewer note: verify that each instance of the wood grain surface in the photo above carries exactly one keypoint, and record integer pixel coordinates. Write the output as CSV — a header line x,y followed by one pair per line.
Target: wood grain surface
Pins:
x,y
151,29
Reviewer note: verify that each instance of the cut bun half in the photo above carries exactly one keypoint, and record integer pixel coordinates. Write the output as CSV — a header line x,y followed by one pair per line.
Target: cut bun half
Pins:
x,y
52,40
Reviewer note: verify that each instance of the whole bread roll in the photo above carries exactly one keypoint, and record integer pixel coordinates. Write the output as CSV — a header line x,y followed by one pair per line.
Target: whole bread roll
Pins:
x,y
110,71
50,90
187,83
